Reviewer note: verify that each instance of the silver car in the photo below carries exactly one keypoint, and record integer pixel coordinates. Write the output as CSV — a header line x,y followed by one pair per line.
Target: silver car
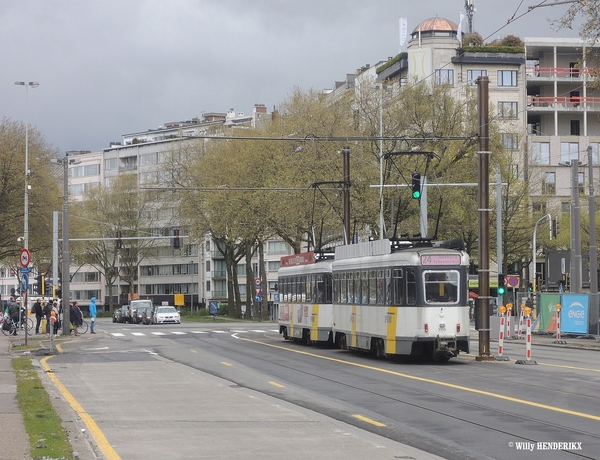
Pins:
x,y
166,315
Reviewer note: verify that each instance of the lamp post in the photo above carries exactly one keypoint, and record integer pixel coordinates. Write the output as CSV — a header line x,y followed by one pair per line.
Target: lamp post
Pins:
x,y
192,286
33,84
66,161
534,255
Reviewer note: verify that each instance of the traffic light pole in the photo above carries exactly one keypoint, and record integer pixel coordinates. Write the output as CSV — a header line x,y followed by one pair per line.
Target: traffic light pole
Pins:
x,y
534,255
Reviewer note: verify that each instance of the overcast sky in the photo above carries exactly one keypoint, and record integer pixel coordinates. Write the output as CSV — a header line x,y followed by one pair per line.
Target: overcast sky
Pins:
x,y
109,67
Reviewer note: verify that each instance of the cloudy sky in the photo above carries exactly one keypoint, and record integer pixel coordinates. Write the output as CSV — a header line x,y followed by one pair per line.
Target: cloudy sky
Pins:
x,y
108,67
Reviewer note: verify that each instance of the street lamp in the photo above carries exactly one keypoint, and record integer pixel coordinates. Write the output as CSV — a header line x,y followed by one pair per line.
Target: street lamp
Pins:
x,y
33,84
66,161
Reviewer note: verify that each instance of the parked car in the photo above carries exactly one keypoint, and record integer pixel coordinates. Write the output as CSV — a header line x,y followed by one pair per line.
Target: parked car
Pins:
x,y
140,314
166,314
136,305
122,315
148,315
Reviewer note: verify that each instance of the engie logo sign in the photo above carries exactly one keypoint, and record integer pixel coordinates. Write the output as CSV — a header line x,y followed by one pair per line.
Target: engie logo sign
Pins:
x,y
574,313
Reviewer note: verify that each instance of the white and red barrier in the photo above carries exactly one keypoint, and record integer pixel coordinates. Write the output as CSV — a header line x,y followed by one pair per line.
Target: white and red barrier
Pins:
x,y
502,311
521,317
528,359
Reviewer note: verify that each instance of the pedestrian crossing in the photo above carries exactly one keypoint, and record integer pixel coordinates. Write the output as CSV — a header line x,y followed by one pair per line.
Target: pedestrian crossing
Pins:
x,y
171,333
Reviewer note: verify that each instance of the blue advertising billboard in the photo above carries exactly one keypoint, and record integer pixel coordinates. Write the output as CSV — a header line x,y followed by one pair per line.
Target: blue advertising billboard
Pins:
x,y
574,313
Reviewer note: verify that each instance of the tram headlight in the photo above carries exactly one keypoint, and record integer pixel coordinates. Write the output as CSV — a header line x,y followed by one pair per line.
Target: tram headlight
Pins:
x,y
426,327
457,327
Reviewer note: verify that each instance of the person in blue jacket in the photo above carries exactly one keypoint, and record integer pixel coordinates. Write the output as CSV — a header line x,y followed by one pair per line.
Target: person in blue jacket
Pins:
x,y
92,315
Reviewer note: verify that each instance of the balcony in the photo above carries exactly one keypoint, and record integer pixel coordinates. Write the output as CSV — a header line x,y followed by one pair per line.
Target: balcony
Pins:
x,y
537,73
562,103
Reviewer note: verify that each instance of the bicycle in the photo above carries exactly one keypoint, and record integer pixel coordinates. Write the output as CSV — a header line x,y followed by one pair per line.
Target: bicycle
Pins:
x,y
14,328
83,328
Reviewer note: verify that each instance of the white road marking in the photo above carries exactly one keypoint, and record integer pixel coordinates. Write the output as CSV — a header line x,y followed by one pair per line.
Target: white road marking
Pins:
x,y
159,333
138,333
179,333
118,334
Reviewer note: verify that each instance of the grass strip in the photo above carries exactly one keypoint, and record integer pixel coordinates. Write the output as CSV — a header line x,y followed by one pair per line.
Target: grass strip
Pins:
x,y
47,437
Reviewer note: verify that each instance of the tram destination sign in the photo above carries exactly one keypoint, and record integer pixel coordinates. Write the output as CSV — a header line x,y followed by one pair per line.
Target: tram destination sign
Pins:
x,y
440,259
298,259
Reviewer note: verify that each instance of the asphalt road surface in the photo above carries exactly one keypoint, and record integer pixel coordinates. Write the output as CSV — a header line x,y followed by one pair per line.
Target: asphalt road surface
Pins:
x,y
240,391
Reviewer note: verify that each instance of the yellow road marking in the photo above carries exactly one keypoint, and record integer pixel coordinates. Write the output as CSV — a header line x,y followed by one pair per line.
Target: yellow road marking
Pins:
x,y
226,363
96,432
368,420
278,385
436,382
570,367
193,351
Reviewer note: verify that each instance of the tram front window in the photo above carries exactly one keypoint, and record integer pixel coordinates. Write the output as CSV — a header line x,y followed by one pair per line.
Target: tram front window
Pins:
x,y
441,287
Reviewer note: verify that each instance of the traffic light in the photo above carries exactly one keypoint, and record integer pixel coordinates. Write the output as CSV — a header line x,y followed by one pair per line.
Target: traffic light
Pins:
x,y
416,185
44,286
176,238
530,287
119,240
39,286
554,228
501,284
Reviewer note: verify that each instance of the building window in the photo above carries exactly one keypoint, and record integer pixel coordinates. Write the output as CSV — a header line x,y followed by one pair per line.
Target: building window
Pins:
x,y
569,151
574,127
507,110
473,75
549,183
507,78
274,266
148,159
595,152
277,247
510,141
208,266
565,206
581,182
444,76
514,170
539,207
110,164
241,269
540,153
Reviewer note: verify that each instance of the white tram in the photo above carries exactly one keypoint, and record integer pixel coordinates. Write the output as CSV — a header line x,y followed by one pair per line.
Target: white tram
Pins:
x,y
409,300
305,309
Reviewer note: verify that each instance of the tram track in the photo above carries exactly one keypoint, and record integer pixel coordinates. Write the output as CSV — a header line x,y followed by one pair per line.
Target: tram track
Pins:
x,y
343,383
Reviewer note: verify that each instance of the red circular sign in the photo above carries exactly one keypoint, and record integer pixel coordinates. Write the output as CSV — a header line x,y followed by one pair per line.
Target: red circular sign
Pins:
x,y
25,258
513,281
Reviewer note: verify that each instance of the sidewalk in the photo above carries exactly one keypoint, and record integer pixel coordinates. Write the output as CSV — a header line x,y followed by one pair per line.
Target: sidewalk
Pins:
x,y
11,420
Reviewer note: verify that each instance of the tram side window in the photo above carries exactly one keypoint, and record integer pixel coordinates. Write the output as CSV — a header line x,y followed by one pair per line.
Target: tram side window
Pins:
x,y
389,298
351,288
327,288
364,279
380,287
336,288
283,289
372,287
411,286
302,289
398,287
308,285
343,288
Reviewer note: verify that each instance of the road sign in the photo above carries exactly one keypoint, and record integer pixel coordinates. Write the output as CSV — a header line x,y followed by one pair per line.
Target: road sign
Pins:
x,y
24,282
512,280
257,282
258,298
24,269
25,257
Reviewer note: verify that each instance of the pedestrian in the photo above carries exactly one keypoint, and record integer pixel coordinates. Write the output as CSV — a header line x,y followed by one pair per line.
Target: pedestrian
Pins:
x,y
38,311
76,318
47,313
56,310
92,315
13,312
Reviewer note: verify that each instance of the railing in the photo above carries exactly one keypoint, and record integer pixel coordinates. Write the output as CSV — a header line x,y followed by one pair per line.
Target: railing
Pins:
x,y
559,72
567,102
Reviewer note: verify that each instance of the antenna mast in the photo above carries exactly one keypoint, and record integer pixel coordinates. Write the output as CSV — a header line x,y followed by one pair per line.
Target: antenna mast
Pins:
x,y
470,9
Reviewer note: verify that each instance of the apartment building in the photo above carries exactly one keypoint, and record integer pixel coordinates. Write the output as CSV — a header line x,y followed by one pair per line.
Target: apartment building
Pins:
x,y
194,269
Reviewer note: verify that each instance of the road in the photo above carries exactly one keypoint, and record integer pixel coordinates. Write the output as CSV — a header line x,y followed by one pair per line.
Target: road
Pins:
x,y
239,390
